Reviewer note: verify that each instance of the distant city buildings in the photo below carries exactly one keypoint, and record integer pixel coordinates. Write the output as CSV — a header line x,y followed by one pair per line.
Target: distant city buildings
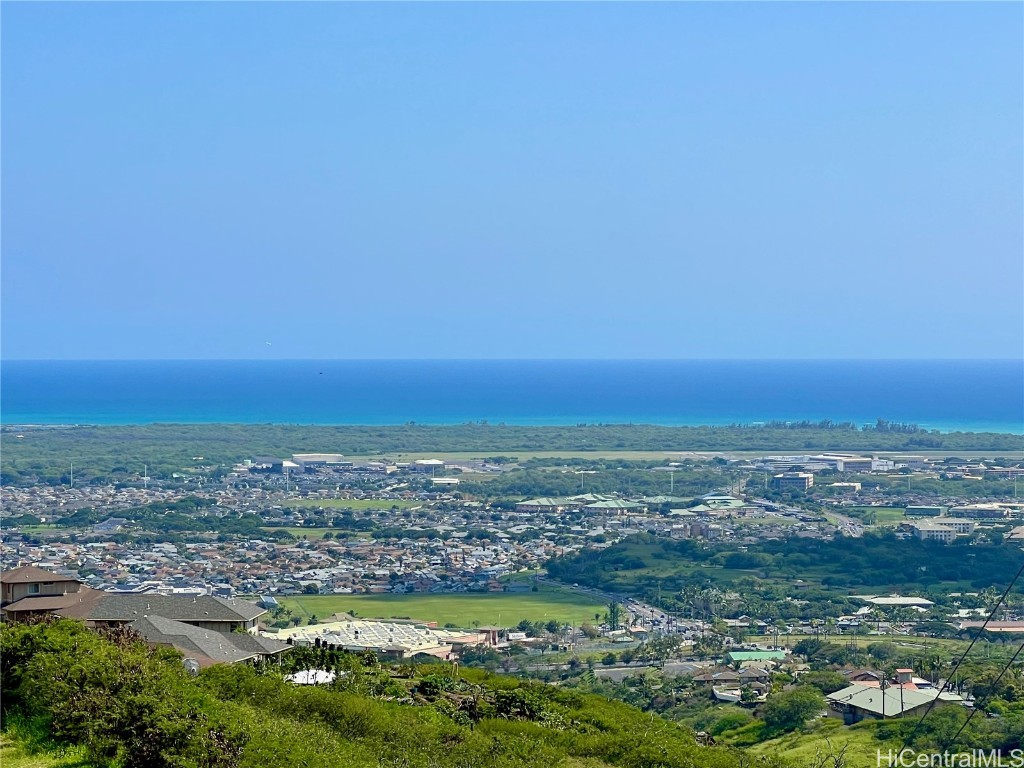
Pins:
x,y
793,481
942,529
924,510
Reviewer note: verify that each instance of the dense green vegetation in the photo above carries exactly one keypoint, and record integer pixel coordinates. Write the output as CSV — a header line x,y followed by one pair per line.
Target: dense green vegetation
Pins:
x,y
895,486
125,704
829,571
789,721
120,451
789,717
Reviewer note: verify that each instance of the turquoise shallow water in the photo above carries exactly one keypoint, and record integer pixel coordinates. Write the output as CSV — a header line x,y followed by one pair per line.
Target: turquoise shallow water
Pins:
x,y
944,395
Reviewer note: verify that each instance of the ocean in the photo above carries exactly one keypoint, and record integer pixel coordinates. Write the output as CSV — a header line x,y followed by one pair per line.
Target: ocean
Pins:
x,y
935,394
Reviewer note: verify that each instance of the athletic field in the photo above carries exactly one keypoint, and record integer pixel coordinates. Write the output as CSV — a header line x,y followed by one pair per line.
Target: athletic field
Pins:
x,y
495,608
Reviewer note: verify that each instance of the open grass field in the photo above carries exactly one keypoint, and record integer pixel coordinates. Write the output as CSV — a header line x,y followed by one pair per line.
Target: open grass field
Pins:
x,y
496,608
15,754
313,534
353,503
884,515
801,748
524,455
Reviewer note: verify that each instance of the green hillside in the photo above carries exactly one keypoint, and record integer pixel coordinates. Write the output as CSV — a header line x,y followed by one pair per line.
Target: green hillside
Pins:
x,y
118,702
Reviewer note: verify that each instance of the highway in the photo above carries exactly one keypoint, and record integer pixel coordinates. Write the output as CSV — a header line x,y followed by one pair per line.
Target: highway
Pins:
x,y
646,615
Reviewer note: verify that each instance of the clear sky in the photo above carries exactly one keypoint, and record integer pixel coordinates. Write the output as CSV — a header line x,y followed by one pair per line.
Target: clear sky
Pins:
x,y
530,180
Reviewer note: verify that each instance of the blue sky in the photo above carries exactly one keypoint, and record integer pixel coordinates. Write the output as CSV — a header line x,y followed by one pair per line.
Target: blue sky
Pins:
x,y
693,180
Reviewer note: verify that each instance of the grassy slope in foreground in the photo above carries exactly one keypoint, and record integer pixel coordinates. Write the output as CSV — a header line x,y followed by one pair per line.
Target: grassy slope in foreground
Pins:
x,y
829,735
16,752
459,609
429,716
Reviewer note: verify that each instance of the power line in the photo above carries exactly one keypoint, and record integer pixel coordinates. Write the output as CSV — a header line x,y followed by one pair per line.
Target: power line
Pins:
x,y
994,684
960,661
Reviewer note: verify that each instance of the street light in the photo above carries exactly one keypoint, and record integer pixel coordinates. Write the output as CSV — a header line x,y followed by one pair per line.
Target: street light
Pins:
x,y
582,472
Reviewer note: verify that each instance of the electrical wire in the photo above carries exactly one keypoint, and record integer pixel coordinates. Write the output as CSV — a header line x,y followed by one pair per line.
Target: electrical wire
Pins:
x,y
994,684
956,667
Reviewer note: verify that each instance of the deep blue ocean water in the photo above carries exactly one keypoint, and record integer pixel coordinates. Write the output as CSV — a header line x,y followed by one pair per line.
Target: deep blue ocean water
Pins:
x,y
945,395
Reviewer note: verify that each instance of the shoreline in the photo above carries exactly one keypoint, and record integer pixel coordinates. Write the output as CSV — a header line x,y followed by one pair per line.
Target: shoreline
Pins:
x,y
940,397
962,429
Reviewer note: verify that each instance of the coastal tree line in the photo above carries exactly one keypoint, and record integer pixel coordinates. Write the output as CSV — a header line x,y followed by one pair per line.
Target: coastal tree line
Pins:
x,y
44,454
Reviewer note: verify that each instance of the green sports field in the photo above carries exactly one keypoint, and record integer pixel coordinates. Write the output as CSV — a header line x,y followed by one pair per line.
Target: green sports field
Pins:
x,y
496,608
313,534
884,515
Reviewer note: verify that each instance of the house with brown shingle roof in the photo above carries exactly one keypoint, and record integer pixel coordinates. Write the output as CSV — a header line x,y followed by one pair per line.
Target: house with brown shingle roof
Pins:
x,y
200,626
207,646
36,590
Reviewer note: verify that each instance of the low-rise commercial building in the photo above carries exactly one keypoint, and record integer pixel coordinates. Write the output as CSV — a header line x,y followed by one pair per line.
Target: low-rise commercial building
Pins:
x,y
385,638
924,510
793,481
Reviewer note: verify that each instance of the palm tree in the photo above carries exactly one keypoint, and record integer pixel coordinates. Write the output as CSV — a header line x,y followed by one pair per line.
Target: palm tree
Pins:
x,y
688,596
779,624
876,615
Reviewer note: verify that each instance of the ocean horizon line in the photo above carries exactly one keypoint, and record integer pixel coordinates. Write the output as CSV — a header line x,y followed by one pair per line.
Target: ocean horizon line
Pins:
x,y
840,426
943,395
511,359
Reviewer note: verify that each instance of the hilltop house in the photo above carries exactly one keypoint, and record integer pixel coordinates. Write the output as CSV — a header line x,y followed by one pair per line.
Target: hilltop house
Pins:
x,y
30,591
202,627
858,702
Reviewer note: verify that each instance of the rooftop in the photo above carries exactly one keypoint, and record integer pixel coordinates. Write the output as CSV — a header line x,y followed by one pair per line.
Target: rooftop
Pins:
x,y
890,701
30,574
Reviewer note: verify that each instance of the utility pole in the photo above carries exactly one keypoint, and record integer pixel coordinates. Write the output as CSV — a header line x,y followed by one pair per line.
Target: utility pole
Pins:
x,y
72,473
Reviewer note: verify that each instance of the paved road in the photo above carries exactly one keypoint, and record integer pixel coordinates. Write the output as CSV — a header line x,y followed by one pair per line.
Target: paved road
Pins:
x,y
644,614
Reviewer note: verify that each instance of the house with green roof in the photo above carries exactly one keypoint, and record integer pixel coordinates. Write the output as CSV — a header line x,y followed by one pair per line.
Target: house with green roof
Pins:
x,y
754,657
658,500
